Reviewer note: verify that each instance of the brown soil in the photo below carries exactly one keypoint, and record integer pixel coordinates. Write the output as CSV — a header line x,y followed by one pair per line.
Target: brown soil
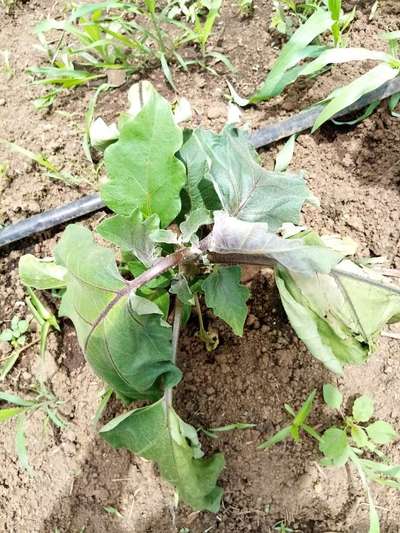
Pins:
x,y
355,172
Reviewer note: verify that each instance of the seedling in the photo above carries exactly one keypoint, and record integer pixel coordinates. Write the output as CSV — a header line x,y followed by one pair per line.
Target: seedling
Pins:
x,y
282,528
350,442
21,408
15,334
130,37
246,7
45,319
190,207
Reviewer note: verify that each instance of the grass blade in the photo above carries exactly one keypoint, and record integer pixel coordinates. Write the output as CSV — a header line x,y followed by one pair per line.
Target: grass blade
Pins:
x,y
278,437
9,412
350,93
317,24
285,155
16,400
89,115
20,444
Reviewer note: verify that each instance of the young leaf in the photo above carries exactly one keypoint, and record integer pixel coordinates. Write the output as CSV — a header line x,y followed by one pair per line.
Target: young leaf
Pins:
x,y
246,190
278,437
132,234
363,408
181,288
193,221
6,335
227,297
359,436
317,24
305,410
9,412
332,396
231,235
381,432
161,436
41,273
142,168
334,445
348,94
131,351
16,400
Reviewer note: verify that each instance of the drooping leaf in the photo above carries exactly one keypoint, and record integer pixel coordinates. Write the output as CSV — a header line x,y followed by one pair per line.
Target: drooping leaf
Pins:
x,y
332,396
142,168
227,297
129,349
350,93
132,234
363,408
41,273
293,52
158,434
231,235
381,432
335,447
245,189
339,318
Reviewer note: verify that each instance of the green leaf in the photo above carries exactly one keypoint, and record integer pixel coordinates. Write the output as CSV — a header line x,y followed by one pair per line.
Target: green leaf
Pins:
x,y
9,412
227,297
8,364
359,436
230,427
292,52
332,396
128,348
193,221
132,234
41,273
161,436
305,410
16,400
278,437
20,445
334,445
350,93
6,335
363,408
285,155
335,7
200,190
245,189
142,168
54,417
104,399
231,235
181,288
381,432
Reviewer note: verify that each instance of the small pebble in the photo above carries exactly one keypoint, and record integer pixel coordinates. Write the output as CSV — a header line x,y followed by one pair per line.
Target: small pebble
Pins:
x,y
2,101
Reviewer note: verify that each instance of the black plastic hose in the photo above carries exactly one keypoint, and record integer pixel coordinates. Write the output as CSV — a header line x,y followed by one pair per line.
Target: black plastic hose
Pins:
x,y
262,137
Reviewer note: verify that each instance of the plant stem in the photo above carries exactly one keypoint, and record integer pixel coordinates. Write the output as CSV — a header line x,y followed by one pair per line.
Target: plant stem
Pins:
x,y
176,327
199,314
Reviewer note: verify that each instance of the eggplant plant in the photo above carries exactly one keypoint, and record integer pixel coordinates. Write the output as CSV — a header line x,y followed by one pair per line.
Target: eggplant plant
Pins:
x,y
190,206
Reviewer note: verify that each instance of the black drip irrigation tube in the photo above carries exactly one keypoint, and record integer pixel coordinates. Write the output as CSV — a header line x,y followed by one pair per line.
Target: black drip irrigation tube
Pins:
x,y
259,138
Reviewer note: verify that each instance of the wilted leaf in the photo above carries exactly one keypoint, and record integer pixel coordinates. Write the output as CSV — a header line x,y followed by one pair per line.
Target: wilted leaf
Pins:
x,y
231,235
142,168
130,350
158,434
181,288
227,297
